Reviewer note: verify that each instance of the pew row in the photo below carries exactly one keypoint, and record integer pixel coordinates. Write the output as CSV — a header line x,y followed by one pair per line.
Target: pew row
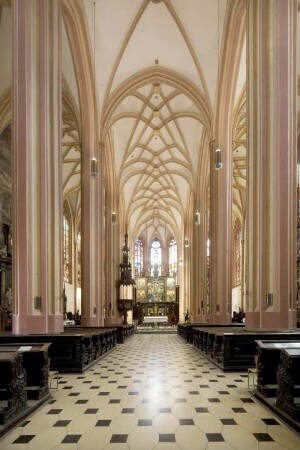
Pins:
x,y
278,380
73,351
233,349
23,381
123,332
186,330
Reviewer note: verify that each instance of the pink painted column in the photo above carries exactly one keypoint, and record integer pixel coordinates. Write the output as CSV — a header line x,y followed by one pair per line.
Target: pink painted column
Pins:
x,y
271,209
37,166
220,234
92,220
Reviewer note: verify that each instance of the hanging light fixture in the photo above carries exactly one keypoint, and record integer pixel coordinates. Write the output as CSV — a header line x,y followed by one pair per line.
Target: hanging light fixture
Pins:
x,y
186,242
94,167
218,159
197,218
114,218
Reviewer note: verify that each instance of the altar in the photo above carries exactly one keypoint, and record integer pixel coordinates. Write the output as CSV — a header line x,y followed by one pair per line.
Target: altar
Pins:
x,y
155,319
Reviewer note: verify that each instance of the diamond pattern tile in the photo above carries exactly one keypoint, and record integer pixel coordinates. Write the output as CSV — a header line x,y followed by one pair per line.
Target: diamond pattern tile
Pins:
x,y
146,394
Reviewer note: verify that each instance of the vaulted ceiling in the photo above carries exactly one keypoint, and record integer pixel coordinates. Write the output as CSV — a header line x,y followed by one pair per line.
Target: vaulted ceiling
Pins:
x,y
157,67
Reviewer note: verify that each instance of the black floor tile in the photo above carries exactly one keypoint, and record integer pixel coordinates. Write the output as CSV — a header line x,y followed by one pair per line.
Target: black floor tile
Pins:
x,y
127,411
145,423
73,394
103,423
103,393
201,409
164,410
91,411
213,400
81,402
203,386
223,392
167,438
214,437
119,438
193,392
133,393
186,422
270,422
180,400
263,437
228,422
71,439
24,439
54,411
238,410
61,423
23,424
114,401
247,400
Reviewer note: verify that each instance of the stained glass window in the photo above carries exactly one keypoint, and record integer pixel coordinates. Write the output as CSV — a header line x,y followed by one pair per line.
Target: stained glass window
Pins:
x,y
237,253
173,258
138,258
155,258
67,245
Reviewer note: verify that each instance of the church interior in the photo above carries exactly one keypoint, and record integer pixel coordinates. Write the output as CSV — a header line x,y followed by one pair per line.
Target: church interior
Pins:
x,y
150,224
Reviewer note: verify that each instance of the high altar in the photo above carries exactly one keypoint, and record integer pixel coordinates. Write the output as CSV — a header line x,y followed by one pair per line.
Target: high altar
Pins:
x,y
156,296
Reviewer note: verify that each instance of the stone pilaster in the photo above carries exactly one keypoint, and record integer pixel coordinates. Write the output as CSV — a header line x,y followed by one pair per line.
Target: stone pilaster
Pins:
x,y
220,233
271,172
37,166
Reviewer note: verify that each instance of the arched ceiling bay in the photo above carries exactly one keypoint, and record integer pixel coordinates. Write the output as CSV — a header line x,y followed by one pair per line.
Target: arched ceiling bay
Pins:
x,y
156,130
157,133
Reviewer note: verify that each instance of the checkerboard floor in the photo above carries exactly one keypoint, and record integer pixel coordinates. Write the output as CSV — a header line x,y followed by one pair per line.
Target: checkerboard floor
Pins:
x,y
153,392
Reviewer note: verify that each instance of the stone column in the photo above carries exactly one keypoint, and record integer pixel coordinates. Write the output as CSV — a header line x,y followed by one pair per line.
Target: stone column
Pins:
x,y
92,233
220,232
37,166
271,209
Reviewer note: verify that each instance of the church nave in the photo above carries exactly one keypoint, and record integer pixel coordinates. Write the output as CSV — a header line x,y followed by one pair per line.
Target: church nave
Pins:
x,y
153,392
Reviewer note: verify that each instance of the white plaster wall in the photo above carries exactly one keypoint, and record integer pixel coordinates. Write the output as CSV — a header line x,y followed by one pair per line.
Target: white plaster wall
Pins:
x,y
236,299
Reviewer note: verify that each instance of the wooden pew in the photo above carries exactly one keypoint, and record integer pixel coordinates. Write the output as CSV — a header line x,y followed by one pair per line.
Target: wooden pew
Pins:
x,y
269,353
75,350
187,330
123,331
69,352
288,378
103,339
13,398
35,364
235,349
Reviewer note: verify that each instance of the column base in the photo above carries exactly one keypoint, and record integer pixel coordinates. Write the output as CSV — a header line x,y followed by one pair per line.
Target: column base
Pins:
x,y
113,321
271,320
219,319
92,321
37,324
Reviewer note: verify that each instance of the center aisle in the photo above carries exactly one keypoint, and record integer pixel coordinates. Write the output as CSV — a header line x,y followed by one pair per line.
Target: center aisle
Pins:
x,y
154,391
